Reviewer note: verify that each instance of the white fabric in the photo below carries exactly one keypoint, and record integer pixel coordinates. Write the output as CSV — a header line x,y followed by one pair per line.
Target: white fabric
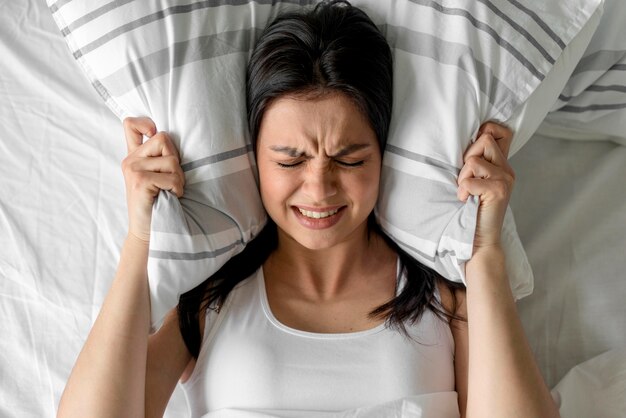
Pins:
x,y
592,105
62,211
63,220
457,63
439,405
570,207
250,361
595,388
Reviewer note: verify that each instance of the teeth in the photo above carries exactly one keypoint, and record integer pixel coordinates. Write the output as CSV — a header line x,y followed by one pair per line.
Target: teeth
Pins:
x,y
317,215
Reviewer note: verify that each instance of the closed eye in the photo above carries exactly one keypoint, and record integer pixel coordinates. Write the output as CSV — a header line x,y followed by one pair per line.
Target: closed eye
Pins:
x,y
289,165
346,164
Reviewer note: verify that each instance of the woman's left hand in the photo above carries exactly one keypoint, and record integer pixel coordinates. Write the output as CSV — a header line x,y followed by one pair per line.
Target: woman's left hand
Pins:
x,y
488,175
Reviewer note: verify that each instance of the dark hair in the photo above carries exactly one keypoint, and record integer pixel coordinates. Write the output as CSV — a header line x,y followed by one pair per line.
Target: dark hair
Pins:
x,y
332,48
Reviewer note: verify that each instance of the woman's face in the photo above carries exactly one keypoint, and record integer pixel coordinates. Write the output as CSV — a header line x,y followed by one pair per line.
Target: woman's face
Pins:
x,y
319,168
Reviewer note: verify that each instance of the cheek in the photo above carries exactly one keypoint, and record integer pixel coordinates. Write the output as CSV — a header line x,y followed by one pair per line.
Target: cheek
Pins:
x,y
373,184
265,182
365,187
275,185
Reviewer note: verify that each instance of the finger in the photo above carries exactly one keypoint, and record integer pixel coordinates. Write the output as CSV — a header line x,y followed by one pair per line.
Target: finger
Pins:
x,y
166,144
488,190
135,129
163,181
479,168
170,182
502,135
486,147
167,164
138,167
159,145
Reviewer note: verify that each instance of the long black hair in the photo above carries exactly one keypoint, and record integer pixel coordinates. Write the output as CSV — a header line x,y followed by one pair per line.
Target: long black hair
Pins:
x,y
332,48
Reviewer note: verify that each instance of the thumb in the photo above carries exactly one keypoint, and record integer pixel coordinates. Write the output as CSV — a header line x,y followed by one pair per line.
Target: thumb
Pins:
x,y
135,129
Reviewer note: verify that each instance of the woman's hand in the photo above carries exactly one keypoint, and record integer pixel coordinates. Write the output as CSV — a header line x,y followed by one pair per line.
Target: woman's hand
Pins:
x,y
494,357
488,175
149,167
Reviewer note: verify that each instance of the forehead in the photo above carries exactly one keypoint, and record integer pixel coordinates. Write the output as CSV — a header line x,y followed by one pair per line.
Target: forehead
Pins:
x,y
329,120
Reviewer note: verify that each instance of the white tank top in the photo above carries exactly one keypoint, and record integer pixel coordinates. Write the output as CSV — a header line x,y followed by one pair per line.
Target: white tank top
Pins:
x,y
249,361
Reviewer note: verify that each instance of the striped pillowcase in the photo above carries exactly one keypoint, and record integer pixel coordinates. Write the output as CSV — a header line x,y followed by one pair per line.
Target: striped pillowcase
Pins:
x,y
457,63
593,103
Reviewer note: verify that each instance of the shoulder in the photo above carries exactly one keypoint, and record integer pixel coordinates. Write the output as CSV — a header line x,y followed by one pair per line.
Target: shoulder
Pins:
x,y
210,315
240,295
453,299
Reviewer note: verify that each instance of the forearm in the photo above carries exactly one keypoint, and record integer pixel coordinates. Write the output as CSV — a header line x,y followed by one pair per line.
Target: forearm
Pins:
x,y
503,378
108,378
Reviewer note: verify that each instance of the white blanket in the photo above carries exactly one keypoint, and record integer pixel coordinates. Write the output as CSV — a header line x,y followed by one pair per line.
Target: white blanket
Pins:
x,y
595,388
63,219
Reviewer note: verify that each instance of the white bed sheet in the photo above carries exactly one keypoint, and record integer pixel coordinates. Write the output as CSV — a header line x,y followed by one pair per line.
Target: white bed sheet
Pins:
x,y
62,221
570,208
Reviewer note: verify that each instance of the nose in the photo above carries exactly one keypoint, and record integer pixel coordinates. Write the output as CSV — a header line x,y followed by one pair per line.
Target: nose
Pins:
x,y
320,183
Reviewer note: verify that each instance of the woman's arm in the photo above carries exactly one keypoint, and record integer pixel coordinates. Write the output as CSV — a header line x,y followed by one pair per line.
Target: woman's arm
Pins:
x,y
109,377
503,379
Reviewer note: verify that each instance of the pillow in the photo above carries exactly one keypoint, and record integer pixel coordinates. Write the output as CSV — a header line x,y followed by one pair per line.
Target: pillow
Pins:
x,y
456,64
592,105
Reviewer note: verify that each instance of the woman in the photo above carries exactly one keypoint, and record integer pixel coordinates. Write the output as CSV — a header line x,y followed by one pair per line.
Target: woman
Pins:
x,y
322,311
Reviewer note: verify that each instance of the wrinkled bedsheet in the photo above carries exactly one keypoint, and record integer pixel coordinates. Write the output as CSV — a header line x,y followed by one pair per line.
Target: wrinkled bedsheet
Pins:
x,y
63,218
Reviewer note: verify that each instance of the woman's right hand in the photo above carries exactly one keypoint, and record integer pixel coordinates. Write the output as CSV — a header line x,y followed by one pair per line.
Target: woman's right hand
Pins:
x,y
149,167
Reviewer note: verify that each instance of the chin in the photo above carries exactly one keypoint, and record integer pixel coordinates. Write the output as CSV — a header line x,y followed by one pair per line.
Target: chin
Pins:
x,y
342,232
314,243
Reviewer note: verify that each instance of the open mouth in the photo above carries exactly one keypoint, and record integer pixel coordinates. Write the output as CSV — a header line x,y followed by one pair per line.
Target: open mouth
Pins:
x,y
319,219
318,215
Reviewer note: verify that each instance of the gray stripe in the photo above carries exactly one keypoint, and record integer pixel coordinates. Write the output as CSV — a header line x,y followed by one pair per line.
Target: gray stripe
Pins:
x,y
174,10
102,91
57,5
217,158
594,107
422,159
614,87
618,67
83,20
601,61
487,29
543,25
564,98
171,255
187,8
596,88
161,62
459,55
446,253
521,30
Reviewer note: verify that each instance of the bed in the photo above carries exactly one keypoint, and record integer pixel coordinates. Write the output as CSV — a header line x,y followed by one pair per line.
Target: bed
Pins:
x,y
62,222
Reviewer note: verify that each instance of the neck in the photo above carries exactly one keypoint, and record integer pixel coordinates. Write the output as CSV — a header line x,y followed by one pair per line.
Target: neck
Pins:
x,y
324,274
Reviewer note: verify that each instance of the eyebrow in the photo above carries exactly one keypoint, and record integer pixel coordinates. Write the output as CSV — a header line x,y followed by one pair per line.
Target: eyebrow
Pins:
x,y
349,150
292,152
295,153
